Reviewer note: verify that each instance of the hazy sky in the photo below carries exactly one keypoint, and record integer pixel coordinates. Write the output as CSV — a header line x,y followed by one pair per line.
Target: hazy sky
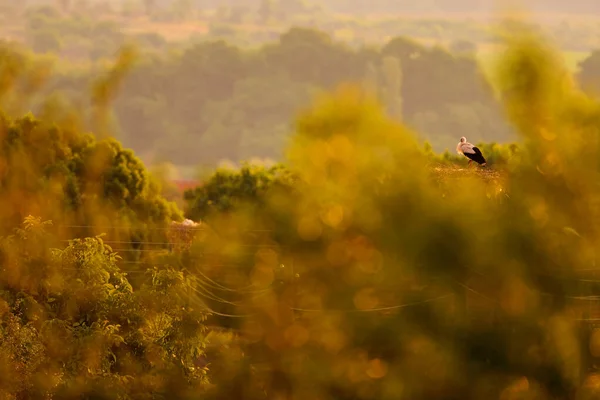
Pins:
x,y
541,8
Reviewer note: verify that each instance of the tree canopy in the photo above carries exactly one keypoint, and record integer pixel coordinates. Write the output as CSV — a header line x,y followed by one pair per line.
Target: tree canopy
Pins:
x,y
52,171
73,326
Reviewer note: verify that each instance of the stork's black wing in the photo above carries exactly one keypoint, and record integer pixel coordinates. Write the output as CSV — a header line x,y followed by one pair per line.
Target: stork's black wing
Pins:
x,y
476,156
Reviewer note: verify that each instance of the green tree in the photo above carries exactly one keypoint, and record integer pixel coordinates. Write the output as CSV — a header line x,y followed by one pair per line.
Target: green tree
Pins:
x,y
73,325
45,41
371,81
463,47
392,91
231,190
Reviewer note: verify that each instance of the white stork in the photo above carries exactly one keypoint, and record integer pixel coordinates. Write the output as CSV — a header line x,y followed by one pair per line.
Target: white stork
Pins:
x,y
470,151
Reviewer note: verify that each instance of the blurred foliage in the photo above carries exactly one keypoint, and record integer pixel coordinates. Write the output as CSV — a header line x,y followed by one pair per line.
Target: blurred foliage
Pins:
x,y
397,292
364,266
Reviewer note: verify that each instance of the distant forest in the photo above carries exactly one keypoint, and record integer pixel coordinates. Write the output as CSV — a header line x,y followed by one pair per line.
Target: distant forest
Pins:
x,y
223,80
216,101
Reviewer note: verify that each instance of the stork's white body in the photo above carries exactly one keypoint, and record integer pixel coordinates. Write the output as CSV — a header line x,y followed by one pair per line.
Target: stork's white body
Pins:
x,y
470,151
